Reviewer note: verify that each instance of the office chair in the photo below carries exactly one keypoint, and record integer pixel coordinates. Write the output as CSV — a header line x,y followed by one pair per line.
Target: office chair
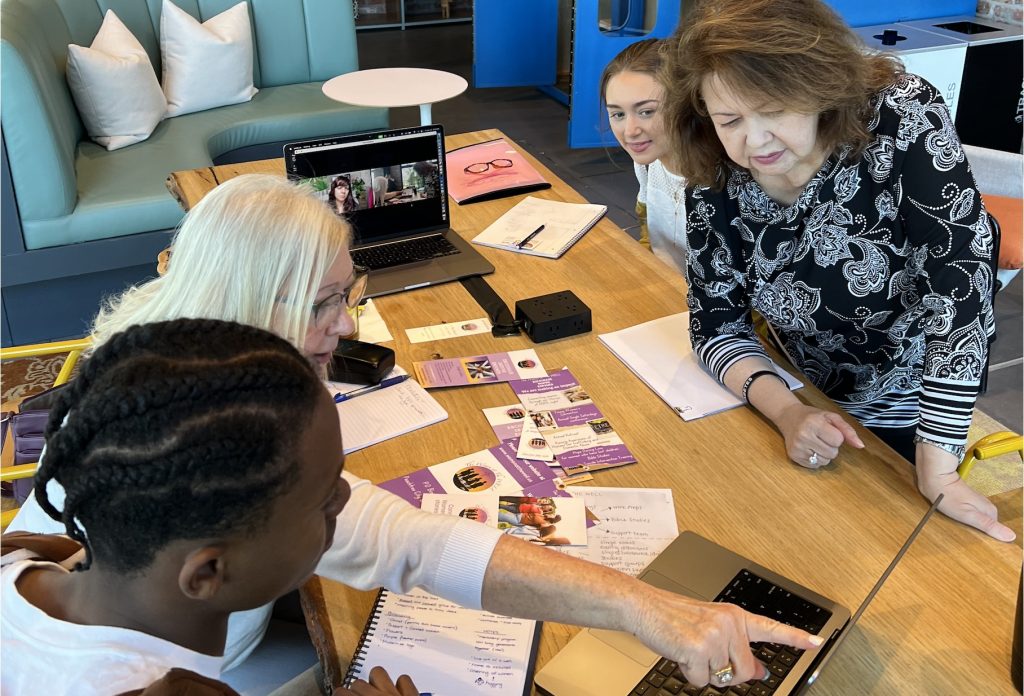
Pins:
x,y
993,445
1000,179
74,348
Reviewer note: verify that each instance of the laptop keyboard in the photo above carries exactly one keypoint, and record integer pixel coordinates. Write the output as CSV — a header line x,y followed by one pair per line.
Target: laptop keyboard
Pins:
x,y
400,253
758,596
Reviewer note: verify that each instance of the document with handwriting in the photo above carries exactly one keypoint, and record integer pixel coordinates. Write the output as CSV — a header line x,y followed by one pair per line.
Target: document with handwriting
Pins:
x,y
633,526
385,413
445,648
541,227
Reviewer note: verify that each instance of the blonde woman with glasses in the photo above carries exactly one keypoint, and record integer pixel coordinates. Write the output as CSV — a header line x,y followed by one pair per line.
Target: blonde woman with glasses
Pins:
x,y
261,251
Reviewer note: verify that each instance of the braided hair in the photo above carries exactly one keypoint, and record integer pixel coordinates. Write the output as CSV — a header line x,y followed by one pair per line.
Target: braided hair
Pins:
x,y
183,429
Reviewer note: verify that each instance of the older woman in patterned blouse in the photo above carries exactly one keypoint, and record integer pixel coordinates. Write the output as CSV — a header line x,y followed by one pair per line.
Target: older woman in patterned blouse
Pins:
x,y
829,192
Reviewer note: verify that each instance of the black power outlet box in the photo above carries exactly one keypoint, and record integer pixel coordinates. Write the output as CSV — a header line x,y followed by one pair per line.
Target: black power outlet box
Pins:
x,y
557,315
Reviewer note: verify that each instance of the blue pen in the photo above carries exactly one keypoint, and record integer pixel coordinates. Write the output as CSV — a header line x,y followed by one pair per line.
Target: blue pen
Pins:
x,y
390,381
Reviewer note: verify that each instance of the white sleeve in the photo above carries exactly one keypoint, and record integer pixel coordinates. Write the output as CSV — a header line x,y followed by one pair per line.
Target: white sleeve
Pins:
x,y
641,176
31,518
383,541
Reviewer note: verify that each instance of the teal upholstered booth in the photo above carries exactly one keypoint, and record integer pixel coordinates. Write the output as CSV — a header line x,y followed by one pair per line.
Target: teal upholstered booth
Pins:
x,y
78,221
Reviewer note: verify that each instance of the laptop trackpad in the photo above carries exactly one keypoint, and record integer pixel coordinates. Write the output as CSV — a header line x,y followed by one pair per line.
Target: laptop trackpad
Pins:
x,y
627,644
653,577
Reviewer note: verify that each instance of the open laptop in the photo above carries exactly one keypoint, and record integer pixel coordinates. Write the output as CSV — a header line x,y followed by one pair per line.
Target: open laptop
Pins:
x,y
608,663
392,188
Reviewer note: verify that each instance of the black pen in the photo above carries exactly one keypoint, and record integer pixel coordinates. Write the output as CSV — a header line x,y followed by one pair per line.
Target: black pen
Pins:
x,y
530,236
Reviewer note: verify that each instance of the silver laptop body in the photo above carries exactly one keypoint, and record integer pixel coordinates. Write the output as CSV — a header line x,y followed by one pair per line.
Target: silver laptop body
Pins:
x,y
398,183
608,663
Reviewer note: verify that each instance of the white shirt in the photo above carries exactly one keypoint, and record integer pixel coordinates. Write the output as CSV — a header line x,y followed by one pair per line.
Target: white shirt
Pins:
x,y
380,541
664,195
43,655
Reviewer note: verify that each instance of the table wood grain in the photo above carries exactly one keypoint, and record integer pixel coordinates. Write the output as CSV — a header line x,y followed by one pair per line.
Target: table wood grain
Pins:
x,y
941,625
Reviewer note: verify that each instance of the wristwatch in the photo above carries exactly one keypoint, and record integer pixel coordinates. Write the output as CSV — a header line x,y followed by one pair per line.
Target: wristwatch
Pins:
x,y
957,451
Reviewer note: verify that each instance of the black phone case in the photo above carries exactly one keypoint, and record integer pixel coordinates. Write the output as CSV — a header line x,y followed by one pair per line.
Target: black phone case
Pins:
x,y
358,362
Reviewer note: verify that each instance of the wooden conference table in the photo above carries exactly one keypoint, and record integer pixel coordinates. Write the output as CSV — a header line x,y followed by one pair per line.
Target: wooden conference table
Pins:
x,y
941,625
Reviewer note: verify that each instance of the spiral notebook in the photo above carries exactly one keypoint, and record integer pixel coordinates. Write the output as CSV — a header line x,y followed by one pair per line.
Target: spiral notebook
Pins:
x,y
541,227
446,649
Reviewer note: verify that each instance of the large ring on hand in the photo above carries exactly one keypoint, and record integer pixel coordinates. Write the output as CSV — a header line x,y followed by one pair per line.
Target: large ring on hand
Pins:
x,y
813,459
724,675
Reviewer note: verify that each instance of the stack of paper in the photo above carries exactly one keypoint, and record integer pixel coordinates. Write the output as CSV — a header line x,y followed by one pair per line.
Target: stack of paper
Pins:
x,y
659,353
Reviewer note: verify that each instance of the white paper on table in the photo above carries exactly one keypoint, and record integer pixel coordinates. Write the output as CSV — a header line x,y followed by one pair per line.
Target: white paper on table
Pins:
x,y
635,525
453,329
372,328
660,354
385,413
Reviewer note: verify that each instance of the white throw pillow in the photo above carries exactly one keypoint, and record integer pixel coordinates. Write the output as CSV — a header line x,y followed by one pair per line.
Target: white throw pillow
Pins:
x,y
205,65
115,87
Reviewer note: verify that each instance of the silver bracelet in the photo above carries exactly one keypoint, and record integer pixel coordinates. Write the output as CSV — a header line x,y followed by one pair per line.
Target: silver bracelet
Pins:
x,y
957,451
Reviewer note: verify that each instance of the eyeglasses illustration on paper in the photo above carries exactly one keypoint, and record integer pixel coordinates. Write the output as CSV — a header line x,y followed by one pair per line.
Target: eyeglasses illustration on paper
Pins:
x,y
481,167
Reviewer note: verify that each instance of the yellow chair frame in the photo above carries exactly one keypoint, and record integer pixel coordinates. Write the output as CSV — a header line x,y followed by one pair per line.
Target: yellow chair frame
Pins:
x,y
74,349
993,445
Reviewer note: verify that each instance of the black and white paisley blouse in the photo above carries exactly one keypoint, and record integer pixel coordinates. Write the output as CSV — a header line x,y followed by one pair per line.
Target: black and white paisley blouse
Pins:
x,y
878,279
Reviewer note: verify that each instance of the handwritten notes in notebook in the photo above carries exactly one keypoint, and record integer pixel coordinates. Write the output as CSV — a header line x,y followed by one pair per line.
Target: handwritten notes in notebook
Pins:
x,y
386,413
563,225
445,648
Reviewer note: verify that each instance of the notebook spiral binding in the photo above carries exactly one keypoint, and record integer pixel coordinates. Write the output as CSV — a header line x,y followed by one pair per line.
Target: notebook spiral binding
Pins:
x,y
360,654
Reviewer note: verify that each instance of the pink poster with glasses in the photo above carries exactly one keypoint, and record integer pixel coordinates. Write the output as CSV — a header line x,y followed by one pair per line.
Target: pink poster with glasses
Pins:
x,y
491,169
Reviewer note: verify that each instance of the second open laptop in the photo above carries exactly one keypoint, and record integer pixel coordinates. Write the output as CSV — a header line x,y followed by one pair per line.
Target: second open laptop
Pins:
x,y
391,186
608,663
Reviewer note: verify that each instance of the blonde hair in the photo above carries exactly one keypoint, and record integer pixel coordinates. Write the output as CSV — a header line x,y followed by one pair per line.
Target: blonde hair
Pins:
x,y
794,52
254,251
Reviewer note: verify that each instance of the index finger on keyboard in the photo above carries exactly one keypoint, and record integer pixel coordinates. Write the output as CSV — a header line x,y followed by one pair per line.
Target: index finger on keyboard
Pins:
x,y
763,629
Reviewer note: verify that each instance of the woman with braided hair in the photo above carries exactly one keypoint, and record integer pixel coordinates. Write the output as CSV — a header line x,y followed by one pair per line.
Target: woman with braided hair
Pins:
x,y
261,251
189,451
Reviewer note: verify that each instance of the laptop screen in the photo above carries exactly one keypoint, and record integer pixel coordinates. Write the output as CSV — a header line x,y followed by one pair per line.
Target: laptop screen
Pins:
x,y
387,184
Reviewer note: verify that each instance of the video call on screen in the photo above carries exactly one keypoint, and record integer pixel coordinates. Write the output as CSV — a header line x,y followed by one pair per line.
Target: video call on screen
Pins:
x,y
384,189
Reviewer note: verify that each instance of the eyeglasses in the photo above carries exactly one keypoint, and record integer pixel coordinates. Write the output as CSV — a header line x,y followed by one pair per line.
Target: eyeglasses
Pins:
x,y
481,167
327,310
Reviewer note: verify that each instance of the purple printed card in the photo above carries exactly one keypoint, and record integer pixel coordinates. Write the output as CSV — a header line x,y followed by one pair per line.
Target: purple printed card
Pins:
x,y
581,438
478,369
494,470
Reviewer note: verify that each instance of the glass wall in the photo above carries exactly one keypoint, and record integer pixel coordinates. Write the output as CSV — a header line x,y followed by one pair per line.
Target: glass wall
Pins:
x,y
403,13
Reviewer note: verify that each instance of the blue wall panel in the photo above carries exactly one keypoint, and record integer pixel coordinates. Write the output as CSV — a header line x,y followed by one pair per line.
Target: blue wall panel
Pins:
x,y
860,13
515,44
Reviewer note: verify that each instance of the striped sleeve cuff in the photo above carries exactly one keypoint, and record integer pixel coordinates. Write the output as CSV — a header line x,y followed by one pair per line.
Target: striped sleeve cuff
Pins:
x,y
946,409
722,352
464,560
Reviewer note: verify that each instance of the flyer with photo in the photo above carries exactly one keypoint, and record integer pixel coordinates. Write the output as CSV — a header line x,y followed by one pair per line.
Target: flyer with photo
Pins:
x,y
511,424
494,470
479,369
551,520
479,507
578,434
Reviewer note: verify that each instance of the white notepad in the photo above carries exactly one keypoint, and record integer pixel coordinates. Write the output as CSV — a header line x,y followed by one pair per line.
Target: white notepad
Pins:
x,y
446,649
386,413
564,223
659,353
